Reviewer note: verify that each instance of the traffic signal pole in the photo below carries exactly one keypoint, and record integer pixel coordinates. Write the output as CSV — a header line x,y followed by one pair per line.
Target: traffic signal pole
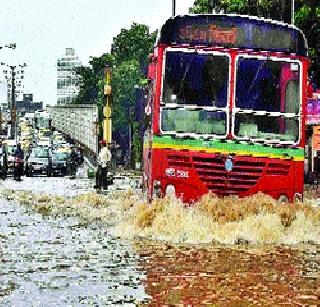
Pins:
x,y
107,121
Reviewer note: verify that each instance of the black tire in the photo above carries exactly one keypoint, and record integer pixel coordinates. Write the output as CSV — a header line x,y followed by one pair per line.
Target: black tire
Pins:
x,y
27,172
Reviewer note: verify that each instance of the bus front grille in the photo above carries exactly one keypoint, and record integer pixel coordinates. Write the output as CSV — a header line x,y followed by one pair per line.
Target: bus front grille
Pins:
x,y
179,161
243,176
278,169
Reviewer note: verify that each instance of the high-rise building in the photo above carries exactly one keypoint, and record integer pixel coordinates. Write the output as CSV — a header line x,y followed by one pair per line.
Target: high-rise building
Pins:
x,y
68,80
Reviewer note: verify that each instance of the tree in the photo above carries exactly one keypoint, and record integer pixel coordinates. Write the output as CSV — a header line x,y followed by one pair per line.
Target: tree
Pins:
x,y
125,77
307,18
133,44
264,8
129,58
130,49
90,77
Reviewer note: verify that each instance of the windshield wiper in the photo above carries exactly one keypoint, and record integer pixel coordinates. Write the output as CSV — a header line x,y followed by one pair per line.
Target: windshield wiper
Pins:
x,y
256,76
184,77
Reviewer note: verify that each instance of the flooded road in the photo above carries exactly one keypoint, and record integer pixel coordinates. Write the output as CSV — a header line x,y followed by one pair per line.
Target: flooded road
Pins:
x,y
239,276
62,246
59,261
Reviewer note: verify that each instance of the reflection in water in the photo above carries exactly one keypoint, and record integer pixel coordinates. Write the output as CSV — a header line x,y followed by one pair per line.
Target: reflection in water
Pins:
x,y
59,261
240,275
71,250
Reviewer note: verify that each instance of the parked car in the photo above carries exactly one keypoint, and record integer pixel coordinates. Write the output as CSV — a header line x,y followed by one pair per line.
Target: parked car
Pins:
x,y
46,143
39,162
59,163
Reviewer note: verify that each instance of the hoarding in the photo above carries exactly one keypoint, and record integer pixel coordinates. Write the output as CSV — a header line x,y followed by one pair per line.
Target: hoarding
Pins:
x,y
313,111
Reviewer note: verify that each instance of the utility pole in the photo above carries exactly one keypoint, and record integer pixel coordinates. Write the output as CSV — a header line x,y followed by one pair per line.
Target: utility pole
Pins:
x,y
173,8
13,103
12,99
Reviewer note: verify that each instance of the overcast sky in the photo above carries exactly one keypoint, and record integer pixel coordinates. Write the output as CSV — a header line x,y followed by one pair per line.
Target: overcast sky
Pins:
x,y
42,29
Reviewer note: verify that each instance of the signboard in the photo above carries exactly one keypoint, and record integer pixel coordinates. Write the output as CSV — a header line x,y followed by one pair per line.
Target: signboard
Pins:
x,y
316,138
313,111
233,32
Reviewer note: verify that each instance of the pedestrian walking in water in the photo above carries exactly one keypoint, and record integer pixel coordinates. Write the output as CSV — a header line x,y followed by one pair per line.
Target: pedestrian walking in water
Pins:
x,y
73,161
104,163
18,163
3,161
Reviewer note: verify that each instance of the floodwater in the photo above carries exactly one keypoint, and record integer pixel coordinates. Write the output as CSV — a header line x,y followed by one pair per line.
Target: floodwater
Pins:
x,y
65,245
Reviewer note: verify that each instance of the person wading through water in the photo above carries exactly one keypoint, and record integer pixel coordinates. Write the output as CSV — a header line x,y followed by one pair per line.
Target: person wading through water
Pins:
x,y
18,163
104,163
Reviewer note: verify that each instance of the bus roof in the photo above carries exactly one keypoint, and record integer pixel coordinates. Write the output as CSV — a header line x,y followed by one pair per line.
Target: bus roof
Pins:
x,y
234,31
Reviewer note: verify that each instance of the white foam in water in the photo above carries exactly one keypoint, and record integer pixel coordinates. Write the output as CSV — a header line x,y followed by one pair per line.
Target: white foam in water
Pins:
x,y
55,186
256,220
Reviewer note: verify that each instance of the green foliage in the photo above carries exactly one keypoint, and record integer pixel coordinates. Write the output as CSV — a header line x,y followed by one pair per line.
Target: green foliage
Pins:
x,y
263,8
90,88
307,18
133,44
125,77
128,57
130,49
204,6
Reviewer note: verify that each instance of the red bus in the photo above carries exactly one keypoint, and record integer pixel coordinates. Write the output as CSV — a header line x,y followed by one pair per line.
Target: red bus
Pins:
x,y
227,102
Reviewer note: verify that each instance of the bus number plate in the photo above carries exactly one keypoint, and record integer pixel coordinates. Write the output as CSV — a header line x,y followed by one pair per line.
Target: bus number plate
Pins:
x,y
172,172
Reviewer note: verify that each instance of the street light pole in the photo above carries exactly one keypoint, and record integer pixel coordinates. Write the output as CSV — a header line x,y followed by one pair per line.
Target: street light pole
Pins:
x,y
173,8
292,12
11,46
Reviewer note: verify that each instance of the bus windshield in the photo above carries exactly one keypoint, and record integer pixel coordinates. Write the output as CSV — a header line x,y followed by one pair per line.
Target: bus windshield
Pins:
x,y
267,99
195,93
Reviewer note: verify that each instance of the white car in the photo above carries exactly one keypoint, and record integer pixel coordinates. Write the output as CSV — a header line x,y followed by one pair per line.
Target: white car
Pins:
x,y
44,143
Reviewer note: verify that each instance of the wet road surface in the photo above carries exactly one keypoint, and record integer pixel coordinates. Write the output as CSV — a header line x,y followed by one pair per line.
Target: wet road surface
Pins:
x,y
56,261
66,260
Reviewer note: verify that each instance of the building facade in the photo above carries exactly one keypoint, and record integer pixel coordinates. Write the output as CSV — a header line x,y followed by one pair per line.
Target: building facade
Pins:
x,y
27,105
68,81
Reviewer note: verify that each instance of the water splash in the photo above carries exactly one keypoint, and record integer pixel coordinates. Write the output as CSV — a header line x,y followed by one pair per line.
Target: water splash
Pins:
x,y
258,219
